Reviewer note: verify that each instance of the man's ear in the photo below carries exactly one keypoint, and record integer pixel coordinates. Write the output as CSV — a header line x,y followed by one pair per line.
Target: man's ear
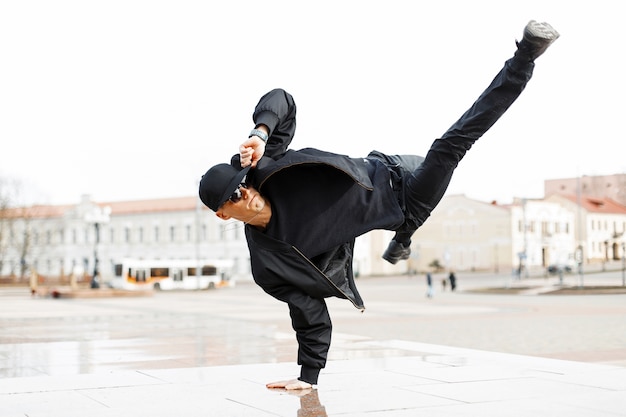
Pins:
x,y
222,215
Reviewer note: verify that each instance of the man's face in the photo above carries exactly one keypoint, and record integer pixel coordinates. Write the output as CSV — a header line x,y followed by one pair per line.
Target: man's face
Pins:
x,y
243,208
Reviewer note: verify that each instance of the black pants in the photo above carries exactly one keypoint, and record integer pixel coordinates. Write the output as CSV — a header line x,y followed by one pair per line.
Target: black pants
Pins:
x,y
425,182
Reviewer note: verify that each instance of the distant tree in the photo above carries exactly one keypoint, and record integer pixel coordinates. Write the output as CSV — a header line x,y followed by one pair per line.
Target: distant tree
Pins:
x,y
10,215
6,196
436,265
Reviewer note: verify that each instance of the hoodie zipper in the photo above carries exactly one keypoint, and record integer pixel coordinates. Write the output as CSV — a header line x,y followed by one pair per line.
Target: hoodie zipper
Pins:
x,y
361,308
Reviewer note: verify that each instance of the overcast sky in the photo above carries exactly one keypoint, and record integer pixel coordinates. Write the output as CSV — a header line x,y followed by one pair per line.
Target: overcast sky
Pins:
x,y
132,99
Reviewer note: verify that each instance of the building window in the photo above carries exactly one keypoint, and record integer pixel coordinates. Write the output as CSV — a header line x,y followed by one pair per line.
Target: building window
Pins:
x,y
112,235
127,234
172,233
156,233
188,231
140,232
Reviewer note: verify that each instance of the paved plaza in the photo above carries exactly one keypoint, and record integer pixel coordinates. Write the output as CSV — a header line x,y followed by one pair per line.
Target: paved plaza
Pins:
x,y
210,353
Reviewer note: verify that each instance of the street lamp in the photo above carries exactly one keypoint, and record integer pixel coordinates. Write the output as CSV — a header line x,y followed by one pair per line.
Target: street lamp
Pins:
x,y
623,264
97,216
579,259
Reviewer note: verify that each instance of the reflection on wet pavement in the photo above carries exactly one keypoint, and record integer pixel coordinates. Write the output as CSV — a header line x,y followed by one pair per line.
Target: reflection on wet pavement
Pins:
x,y
69,337
87,344
310,405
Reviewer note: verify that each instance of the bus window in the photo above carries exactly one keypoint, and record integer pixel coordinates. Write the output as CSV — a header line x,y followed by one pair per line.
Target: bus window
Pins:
x,y
159,272
209,270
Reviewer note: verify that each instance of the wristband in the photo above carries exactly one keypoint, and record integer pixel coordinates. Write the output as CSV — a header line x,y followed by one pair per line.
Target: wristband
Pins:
x,y
260,134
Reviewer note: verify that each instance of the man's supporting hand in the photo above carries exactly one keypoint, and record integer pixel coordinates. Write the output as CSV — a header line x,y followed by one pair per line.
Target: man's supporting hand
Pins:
x,y
292,384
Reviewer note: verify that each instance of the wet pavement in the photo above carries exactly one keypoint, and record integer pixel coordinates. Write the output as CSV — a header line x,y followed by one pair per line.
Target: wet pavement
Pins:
x,y
210,354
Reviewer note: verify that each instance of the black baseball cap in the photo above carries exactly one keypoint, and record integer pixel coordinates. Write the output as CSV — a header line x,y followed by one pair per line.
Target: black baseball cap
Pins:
x,y
219,182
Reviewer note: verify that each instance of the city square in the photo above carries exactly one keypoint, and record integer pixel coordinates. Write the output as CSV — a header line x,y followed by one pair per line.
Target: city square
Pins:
x,y
209,353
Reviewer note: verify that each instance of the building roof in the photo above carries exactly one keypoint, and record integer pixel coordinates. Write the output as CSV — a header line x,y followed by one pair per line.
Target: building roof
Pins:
x,y
154,205
595,205
35,212
590,204
117,208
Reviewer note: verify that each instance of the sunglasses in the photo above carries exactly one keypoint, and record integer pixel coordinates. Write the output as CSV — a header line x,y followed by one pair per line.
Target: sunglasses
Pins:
x,y
236,196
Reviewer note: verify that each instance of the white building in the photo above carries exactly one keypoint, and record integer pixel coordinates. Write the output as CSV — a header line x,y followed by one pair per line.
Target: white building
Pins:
x,y
544,233
59,240
600,226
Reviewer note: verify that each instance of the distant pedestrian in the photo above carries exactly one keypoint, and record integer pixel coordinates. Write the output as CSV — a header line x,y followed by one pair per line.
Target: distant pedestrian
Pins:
x,y
429,283
452,279
444,284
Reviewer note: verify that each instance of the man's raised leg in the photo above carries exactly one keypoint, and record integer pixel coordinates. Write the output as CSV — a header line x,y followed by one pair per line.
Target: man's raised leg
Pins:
x,y
428,183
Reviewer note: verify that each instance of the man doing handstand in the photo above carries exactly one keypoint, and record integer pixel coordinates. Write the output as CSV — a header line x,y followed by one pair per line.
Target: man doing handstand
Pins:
x,y
303,209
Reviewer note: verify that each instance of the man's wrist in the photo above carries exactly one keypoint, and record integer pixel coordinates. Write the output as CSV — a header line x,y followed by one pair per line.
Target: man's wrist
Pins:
x,y
309,374
259,134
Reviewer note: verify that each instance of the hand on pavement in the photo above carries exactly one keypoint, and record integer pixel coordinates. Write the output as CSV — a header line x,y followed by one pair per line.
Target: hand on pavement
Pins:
x,y
292,384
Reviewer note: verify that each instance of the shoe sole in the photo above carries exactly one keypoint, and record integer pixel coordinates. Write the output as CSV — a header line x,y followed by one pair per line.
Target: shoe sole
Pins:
x,y
540,32
395,260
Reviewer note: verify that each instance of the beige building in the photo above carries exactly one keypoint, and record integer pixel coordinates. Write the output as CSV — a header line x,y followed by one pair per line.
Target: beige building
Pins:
x,y
468,235
464,234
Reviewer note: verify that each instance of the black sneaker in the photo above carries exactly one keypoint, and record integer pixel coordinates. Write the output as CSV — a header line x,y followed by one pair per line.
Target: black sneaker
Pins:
x,y
537,38
396,251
